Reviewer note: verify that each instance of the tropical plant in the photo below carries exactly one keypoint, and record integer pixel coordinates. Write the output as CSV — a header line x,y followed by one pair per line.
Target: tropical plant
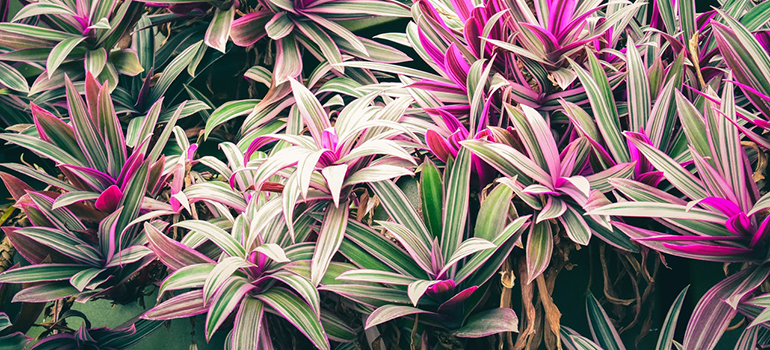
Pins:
x,y
441,270
357,174
717,220
249,275
58,32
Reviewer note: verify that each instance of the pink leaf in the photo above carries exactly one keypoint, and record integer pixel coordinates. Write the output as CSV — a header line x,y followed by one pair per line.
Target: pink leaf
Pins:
x,y
109,199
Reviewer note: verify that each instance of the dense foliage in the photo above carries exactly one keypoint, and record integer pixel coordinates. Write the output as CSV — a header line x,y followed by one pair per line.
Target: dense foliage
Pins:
x,y
383,174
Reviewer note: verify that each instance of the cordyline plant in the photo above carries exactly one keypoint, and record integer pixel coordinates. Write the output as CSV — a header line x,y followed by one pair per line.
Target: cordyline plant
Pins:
x,y
434,273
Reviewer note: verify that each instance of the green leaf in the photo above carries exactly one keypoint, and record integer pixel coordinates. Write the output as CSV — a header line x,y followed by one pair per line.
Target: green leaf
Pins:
x,y
133,195
11,78
603,105
44,149
41,273
329,239
217,235
673,171
87,133
489,322
666,337
228,111
432,197
398,206
576,227
325,43
601,327
219,28
301,286
693,124
294,310
456,204
126,62
539,248
390,312
374,247
161,141
60,52
475,267
225,301
248,324
172,71
95,61
81,279
220,275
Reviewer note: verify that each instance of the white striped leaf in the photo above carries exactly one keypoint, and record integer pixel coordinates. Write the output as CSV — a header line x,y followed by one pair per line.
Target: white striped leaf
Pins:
x,y
329,239
217,236
666,337
457,190
220,275
183,305
538,249
391,312
416,289
42,8
60,52
294,310
469,246
248,324
398,207
301,286
224,303
376,276
11,78
279,26
41,273
603,331
603,105
219,29
188,277
673,171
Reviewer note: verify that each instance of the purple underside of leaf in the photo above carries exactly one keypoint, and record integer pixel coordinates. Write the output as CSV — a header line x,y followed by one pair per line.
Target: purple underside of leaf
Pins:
x,y
454,302
712,250
173,254
490,322
247,30
109,199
